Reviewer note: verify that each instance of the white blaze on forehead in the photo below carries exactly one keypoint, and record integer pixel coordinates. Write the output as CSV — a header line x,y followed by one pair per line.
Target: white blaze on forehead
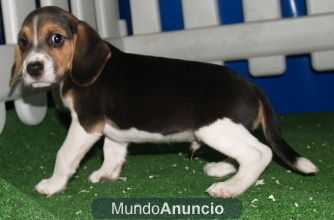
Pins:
x,y
35,23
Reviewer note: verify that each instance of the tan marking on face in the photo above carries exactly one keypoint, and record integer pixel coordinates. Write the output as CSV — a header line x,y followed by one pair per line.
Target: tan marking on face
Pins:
x,y
260,118
18,59
20,55
51,28
28,33
62,55
17,67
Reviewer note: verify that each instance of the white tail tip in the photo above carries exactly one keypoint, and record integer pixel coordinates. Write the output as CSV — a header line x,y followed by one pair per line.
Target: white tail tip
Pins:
x,y
306,166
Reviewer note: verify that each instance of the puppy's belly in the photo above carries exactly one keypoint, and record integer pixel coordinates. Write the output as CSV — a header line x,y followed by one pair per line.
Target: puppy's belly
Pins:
x,y
137,136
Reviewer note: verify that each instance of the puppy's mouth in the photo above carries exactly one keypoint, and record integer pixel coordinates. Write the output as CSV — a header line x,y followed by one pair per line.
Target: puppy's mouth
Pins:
x,y
40,84
37,83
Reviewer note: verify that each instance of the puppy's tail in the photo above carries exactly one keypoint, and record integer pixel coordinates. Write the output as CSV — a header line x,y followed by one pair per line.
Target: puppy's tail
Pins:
x,y
274,136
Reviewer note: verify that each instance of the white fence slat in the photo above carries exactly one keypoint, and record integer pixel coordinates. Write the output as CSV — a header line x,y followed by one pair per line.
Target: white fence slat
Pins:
x,y
6,55
257,10
321,60
145,16
320,6
6,62
199,13
107,18
14,12
123,31
267,66
2,116
59,3
238,41
84,10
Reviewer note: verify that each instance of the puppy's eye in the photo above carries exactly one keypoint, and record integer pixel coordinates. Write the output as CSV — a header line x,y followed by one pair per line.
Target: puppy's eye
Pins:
x,y
22,42
56,40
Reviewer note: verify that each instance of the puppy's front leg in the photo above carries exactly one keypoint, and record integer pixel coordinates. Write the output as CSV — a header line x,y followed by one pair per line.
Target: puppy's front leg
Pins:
x,y
114,157
76,145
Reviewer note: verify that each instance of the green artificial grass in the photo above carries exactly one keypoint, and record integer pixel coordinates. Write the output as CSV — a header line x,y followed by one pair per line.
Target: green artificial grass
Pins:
x,y
27,155
14,203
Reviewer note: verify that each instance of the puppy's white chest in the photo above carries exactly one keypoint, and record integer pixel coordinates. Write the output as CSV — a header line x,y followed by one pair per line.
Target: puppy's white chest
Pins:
x,y
137,136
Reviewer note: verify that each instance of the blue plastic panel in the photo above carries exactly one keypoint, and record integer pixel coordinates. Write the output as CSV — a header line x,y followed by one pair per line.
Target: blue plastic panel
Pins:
x,y
125,13
300,89
293,8
230,11
171,15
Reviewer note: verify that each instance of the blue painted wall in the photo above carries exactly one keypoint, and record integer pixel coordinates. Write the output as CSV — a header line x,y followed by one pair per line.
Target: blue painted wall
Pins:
x,y
300,89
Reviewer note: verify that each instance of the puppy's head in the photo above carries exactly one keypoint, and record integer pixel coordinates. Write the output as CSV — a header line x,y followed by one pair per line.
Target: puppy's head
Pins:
x,y
52,45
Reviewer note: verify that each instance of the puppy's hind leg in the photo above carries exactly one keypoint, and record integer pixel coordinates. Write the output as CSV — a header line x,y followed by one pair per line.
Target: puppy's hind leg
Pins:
x,y
114,157
235,141
76,145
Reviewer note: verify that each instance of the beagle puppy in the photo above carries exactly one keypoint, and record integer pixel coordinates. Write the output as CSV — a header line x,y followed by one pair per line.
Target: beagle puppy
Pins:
x,y
134,98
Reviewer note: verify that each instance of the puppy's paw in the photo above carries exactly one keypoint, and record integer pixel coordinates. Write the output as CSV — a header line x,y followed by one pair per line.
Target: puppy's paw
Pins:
x,y
224,190
100,176
50,187
220,169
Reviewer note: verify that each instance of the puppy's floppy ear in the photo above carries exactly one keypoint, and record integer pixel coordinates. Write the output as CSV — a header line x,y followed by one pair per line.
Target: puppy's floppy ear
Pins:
x,y
90,55
16,71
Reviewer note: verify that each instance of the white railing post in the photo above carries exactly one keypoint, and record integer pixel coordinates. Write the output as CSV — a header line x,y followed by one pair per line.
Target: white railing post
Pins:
x,y
107,18
257,10
199,13
7,59
84,10
321,60
59,3
145,16
2,116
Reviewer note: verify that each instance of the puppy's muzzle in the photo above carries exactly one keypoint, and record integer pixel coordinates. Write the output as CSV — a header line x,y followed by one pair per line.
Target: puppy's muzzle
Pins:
x,y
35,69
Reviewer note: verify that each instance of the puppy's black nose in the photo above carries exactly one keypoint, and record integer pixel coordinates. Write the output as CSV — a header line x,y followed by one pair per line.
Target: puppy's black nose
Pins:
x,y
35,69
